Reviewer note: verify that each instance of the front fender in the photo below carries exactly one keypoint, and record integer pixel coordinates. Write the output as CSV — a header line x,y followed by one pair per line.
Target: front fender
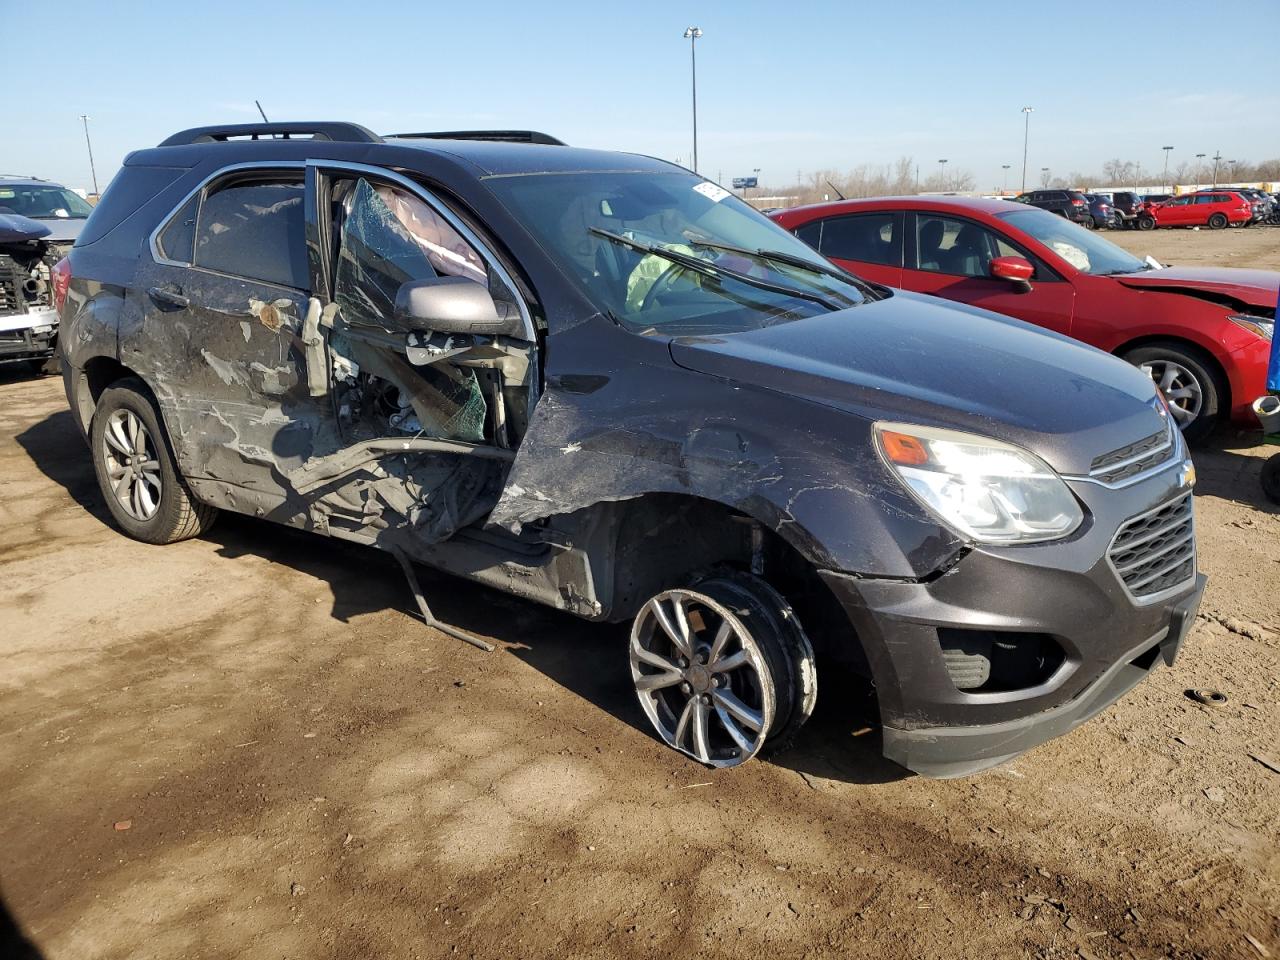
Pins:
x,y
620,420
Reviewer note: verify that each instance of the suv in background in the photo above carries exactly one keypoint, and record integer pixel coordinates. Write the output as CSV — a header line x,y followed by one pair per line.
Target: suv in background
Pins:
x,y
1214,209
1065,203
1101,211
1127,206
605,384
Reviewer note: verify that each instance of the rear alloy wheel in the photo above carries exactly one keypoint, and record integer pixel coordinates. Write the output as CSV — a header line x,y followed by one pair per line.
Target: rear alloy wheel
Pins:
x,y
1146,221
1188,384
1217,221
722,667
146,495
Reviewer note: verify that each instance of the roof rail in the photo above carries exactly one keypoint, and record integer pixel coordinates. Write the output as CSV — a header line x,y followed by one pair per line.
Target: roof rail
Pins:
x,y
506,136
316,130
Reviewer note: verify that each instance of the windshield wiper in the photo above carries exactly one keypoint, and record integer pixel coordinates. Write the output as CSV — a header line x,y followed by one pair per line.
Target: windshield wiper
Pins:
x,y
713,271
778,256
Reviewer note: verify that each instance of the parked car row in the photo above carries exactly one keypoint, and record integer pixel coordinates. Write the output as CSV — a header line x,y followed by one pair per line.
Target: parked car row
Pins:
x,y
1215,208
608,385
1201,333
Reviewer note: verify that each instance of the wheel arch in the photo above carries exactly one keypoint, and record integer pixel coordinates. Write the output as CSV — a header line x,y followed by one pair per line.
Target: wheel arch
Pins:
x,y
87,383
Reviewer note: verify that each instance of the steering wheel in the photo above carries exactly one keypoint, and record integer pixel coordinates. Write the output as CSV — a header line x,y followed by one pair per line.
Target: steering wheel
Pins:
x,y
666,280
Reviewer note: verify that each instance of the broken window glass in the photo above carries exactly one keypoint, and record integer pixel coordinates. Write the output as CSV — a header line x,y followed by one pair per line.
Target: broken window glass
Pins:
x,y
388,237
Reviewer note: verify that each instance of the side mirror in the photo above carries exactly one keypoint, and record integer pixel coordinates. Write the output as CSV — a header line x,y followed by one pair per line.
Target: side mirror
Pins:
x,y
452,305
1017,270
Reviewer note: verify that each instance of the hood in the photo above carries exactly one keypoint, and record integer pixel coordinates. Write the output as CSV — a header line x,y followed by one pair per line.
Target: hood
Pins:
x,y
916,359
63,229
1256,288
15,228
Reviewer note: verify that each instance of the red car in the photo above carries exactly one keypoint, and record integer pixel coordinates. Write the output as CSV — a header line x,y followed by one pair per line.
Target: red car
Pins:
x,y
1202,333
1212,209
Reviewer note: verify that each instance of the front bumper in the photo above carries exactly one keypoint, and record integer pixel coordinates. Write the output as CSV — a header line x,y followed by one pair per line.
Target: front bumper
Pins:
x,y
1066,591
28,336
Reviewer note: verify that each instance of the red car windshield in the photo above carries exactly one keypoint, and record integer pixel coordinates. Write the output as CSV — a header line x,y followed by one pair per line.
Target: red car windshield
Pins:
x,y
1083,249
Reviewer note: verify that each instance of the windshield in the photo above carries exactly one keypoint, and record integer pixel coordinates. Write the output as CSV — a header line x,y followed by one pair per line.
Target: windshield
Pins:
x,y
623,236
42,202
1083,249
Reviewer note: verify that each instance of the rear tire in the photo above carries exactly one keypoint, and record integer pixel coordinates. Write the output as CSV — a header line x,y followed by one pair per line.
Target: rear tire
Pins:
x,y
1190,381
148,499
1217,221
723,668
1146,221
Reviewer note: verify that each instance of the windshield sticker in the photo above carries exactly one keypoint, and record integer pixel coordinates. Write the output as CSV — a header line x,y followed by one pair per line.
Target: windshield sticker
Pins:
x,y
712,191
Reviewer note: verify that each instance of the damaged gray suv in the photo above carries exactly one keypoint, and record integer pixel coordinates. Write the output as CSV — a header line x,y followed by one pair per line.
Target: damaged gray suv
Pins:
x,y
600,382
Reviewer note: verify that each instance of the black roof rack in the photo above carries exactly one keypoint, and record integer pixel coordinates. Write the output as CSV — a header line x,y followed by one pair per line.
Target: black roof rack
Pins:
x,y
506,136
315,130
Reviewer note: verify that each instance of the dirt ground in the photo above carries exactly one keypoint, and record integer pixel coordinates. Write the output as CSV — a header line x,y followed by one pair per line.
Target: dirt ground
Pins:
x,y
245,746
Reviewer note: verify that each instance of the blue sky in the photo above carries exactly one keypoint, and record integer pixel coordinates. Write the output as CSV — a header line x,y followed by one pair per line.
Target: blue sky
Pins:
x,y
786,88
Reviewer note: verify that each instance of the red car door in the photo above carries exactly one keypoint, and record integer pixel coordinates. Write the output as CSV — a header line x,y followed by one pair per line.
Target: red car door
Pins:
x,y
1179,212
950,257
868,245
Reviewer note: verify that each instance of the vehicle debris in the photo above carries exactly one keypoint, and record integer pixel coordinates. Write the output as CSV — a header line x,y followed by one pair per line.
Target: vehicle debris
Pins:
x,y
1210,698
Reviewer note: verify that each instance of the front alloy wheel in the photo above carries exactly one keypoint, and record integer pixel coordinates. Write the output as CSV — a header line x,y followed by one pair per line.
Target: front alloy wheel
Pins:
x,y
721,668
129,455
1179,386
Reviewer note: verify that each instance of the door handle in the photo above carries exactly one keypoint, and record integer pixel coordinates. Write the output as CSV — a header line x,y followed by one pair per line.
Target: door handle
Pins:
x,y
167,297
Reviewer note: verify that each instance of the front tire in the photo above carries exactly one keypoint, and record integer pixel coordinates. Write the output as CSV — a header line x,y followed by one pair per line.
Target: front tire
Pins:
x,y
1146,222
1217,221
721,668
1189,382
139,480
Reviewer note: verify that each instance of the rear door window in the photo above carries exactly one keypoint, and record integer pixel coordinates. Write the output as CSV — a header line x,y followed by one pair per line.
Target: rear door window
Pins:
x,y
254,229
810,233
177,240
952,246
867,237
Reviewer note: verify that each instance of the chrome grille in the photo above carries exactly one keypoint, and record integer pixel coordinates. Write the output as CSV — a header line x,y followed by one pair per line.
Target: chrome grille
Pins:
x,y
1156,551
1133,459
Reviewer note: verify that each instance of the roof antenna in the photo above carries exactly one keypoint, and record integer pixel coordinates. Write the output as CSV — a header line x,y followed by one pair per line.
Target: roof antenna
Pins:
x,y
829,184
264,115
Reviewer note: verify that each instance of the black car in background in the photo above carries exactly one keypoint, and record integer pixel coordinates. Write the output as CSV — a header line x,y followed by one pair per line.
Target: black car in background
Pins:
x,y
602,383
1065,203
1127,206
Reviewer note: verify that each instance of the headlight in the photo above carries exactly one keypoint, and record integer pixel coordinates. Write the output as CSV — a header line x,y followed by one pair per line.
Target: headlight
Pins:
x,y
991,491
1260,325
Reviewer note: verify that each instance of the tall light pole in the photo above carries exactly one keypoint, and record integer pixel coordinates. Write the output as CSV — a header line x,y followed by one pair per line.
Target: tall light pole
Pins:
x,y
1216,157
1044,176
1004,178
1166,168
1026,134
942,165
692,34
86,118
756,171
1199,167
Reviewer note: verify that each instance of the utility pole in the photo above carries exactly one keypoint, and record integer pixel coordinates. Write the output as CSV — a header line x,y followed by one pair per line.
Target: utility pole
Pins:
x,y
86,118
1026,135
1166,168
1216,157
692,34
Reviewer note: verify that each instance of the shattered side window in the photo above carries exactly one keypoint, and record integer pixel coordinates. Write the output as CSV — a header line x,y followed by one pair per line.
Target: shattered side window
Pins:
x,y
386,238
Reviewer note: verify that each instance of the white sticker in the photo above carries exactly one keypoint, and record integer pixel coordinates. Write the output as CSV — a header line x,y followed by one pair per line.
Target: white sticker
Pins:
x,y
712,191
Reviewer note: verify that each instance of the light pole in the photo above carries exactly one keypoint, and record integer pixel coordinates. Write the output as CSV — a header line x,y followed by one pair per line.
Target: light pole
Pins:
x,y
1216,157
1004,178
1026,134
1044,176
692,34
86,118
1233,170
1166,168
1199,167
942,165
756,171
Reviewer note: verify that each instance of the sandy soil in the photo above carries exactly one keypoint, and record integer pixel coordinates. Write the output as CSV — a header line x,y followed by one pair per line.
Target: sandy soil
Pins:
x,y
245,746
